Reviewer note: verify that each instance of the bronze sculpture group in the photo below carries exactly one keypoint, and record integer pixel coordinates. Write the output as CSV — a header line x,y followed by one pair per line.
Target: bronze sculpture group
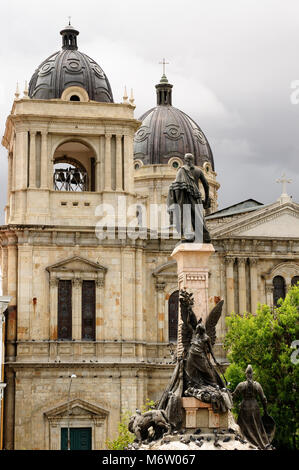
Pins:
x,y
194,374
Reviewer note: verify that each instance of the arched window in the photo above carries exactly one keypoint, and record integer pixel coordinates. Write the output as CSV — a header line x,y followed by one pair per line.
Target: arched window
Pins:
x,y
173,309
74,98
295,280
74,167
279,289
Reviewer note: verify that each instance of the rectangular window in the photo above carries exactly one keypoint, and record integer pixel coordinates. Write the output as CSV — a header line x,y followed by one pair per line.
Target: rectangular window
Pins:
x,y
88,310
65,310
80,438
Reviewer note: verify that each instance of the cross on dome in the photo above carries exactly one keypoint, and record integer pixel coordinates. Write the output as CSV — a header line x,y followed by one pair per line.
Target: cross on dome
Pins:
x,y
164,63
284,180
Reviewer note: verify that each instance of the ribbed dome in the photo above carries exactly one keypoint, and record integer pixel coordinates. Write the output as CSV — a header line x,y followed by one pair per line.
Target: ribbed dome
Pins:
x,y
168,132
69,67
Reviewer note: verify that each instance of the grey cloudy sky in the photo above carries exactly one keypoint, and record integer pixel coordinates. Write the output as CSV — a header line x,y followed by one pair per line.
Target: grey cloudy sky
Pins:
x,y
232,63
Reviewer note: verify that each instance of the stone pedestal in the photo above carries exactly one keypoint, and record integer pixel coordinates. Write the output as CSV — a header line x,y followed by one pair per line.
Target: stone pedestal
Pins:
x,y
198,414
193,274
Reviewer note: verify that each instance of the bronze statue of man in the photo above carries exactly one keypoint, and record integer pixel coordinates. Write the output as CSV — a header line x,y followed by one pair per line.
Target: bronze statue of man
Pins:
x,y
186,204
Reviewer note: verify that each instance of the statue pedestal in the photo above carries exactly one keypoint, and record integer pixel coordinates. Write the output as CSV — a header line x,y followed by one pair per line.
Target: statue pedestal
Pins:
x,y
193,274
198,414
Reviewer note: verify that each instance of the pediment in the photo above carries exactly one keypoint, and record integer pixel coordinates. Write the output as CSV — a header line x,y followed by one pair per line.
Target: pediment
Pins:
x,y
166,270
76,407
76,264
276,221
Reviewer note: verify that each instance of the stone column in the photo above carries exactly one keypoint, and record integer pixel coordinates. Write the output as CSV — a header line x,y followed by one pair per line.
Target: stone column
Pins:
x,y
4,262
99,165
160,286
99,434
253,284
44,160
9,409
230,288
193,274
242,285
12,276
139,298
10,176
269,293
108,162
21,156
128,162
32,161
119,164
99,310
53,309
77,309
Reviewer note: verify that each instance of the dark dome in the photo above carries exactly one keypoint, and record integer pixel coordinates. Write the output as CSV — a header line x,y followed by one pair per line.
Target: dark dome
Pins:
x,y
168,132
69,67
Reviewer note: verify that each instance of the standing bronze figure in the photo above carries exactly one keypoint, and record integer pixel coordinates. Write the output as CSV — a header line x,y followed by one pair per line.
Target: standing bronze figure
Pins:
x,y
258,430
185,203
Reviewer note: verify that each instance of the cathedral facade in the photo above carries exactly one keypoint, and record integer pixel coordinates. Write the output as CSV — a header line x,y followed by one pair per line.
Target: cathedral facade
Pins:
x,y
92,319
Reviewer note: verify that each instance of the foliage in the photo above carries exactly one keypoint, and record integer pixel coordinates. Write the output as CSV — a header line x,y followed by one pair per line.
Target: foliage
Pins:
x,y
265,341
125,437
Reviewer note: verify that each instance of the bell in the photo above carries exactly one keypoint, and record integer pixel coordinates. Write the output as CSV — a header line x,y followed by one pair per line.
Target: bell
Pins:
x,y
60,176
76,178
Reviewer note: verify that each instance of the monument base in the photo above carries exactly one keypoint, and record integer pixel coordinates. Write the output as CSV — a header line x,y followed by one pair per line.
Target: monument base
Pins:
x,y
200,415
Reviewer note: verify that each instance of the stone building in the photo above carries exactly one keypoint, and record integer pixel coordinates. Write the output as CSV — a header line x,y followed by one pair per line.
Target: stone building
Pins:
x,y
105,310
4,301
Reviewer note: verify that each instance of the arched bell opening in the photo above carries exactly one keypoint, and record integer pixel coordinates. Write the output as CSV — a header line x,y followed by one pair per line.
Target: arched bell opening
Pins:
x,y
74,168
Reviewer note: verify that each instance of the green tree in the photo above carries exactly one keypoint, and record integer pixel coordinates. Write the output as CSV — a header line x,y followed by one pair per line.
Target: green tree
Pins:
x,y
124,436
266,341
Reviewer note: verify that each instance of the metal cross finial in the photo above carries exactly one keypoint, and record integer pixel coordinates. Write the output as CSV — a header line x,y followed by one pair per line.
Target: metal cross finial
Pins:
x,y
164,63
284,180
69,17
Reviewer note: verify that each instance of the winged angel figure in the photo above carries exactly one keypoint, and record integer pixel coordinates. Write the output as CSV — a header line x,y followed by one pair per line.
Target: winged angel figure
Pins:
x,y
194,374
201,377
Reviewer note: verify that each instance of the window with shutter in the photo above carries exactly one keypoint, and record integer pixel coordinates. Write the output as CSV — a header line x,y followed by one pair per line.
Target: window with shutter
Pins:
x,y
88,310
65,310
173,307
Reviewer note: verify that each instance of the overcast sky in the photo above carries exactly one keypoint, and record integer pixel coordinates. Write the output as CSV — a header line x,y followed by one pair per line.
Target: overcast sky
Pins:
x,y
232,63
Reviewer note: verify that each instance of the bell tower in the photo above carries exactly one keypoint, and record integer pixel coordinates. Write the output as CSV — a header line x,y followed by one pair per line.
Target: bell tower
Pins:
x,y
73,298
69,145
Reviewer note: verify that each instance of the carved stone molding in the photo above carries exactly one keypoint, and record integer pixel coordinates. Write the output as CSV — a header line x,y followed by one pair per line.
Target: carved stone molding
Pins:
x,y
100,283
160,286
77,282
54,282
229,260
196,277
